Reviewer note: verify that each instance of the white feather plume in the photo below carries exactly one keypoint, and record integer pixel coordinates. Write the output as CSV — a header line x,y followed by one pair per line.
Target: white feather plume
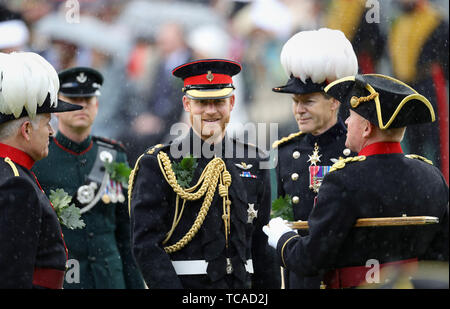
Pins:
x,y
323,54
27,79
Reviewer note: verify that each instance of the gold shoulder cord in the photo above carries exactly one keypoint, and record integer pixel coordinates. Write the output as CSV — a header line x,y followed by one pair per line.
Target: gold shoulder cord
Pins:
x,y
285,139
133,173
342,162
215,173
13,167
414,156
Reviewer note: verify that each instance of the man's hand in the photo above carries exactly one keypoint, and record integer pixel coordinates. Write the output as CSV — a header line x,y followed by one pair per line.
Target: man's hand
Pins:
x,y
275,229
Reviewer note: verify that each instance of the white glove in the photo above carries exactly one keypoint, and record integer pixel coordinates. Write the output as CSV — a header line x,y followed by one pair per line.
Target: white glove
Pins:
x,y
275,229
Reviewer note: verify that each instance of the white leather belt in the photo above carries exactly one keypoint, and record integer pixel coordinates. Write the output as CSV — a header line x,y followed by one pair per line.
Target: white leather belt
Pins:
x,y
198,267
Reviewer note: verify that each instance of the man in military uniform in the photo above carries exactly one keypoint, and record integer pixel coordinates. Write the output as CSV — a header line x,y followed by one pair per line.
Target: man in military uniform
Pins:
x,y
32,249
380,182
306,156
420,58
197,224
77,164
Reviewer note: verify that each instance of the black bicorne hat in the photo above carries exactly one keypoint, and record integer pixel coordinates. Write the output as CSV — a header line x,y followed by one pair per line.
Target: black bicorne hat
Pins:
x,y
383,100
80,82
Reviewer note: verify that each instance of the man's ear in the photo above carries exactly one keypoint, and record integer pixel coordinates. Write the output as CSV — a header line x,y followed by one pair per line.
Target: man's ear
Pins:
x,y
186,104
232,101
335,104
368,129
25,130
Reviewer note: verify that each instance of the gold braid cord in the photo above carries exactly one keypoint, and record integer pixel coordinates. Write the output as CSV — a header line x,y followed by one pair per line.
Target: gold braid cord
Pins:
x,y
355,101
215,174
414,156
341,163
286,139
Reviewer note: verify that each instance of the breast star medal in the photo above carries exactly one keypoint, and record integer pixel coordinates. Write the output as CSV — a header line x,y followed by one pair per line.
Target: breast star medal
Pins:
x,y
315,157
252,213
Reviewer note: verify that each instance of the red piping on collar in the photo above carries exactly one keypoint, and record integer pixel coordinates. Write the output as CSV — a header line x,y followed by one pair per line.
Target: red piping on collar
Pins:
x,y
71,151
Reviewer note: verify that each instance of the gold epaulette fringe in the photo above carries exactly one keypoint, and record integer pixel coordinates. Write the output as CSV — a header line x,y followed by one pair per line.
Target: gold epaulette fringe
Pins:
x,y
342,162
285,139
414,156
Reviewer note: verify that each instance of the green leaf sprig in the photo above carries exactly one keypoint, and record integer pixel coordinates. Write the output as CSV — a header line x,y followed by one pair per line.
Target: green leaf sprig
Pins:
x,y
68,214
184,170
282,207
119,172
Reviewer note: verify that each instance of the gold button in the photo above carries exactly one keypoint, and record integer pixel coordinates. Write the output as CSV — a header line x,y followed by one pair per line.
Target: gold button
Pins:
x,y
295,199
346,151
294,176
296,154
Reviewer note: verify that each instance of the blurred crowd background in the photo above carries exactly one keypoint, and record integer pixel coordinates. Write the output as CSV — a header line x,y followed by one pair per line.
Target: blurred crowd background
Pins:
x,y
136,44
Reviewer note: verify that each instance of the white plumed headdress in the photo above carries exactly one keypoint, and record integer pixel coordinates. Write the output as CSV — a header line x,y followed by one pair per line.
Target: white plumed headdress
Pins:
x,y
316,57
26,79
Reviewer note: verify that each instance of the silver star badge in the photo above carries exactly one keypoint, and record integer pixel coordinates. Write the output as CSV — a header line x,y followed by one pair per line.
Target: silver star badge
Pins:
x,y
315,157
252,213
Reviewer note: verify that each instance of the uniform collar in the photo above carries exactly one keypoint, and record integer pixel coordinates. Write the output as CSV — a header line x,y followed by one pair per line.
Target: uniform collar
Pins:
x,y
328,136
16,155
72,147
197,145
381,148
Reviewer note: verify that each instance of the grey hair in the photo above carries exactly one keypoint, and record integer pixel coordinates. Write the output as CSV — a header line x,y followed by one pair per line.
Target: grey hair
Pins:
x,y
9,128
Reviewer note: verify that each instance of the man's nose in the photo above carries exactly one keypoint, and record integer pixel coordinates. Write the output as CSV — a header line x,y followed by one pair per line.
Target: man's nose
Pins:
x,y
300,108
211,108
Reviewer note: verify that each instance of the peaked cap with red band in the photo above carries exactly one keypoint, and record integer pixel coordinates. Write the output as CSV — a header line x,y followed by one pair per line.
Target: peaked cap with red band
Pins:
x,y
208,78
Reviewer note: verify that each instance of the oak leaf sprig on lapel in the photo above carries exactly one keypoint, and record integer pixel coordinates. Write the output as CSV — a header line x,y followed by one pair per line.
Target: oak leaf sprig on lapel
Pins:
x,y
68,214
184,170
119,172
282,207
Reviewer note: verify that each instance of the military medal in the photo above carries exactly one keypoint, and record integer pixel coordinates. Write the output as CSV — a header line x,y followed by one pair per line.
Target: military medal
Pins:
x,y
316,175
252,213
315,157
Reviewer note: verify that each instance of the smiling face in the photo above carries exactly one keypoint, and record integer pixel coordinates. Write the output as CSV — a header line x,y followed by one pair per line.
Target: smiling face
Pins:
x,y
314,112
209,118
79,120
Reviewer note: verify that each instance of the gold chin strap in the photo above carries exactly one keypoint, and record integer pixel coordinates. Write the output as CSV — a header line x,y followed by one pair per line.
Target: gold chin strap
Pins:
x,y
215,173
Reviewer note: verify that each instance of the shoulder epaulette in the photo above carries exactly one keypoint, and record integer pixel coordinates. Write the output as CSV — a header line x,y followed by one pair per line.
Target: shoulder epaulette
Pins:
x,y
414,156
286,139
342,162
12,165
150,151
109,143
154,148
260,151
